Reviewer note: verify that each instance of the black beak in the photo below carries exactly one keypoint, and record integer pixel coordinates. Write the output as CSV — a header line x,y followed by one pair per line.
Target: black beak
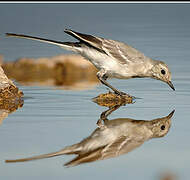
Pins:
x,y
171,85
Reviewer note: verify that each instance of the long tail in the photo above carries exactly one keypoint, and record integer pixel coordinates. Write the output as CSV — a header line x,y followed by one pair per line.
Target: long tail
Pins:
x,y
66,45
35,157
67,150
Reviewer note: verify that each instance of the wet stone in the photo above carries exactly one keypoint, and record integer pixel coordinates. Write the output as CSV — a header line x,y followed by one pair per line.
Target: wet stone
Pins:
x,y
8,91
111,99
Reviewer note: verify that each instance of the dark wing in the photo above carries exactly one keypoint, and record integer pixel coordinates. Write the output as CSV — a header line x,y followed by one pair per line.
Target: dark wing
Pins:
x,y
87,39
115,49
86,157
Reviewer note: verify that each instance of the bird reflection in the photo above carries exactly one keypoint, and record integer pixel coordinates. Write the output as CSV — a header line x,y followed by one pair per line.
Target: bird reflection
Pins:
x,y
111,138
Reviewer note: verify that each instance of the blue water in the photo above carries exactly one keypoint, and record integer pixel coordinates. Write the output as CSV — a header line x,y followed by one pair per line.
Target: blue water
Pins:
x,y
51,119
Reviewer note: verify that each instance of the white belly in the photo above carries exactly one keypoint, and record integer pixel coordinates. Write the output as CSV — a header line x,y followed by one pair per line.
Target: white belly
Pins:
x,y
102,61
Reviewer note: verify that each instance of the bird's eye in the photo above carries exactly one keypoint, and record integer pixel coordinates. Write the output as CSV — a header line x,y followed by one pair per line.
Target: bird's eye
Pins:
x,y
162,127
163,72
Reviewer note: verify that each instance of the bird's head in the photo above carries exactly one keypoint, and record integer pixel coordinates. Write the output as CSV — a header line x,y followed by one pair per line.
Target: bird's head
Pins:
x,y
161,72
161,126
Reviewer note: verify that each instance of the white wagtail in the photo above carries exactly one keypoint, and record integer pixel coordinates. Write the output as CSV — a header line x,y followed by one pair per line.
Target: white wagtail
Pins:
x,y
115,137
113,59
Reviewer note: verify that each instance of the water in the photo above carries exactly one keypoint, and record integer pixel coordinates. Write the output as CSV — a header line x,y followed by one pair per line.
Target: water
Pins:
x,y
51,119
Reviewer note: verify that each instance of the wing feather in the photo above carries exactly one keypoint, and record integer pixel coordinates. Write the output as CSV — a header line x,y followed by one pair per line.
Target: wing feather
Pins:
x,y
121,146
86,157
124,53
85,38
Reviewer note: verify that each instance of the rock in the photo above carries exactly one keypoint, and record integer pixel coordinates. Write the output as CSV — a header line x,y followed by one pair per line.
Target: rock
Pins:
x,y
10,96
8,91
62,70
111,99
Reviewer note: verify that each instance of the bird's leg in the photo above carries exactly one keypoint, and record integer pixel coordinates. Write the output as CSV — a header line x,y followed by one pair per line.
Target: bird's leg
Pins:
x,y
103,118
105,114
102,77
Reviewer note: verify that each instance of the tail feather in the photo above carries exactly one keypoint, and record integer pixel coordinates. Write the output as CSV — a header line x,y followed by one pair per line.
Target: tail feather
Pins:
x,y
66,45
36,157
86,157
67,150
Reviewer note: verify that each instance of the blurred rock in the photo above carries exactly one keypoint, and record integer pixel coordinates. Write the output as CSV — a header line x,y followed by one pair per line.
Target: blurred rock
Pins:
x,y
1,59
61,70
168,176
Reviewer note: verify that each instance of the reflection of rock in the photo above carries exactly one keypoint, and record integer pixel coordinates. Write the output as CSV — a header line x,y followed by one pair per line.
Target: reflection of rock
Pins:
x,y
8,106
111,99
3,114
112,138
62,70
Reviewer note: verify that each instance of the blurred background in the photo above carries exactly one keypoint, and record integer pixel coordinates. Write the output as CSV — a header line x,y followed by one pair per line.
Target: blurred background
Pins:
x,y
53,117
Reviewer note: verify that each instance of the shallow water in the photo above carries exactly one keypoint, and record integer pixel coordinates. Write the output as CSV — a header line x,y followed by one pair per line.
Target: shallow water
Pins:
x,y
51,119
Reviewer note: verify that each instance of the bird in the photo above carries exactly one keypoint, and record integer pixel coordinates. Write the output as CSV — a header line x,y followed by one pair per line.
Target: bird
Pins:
x,y
113,59
110,139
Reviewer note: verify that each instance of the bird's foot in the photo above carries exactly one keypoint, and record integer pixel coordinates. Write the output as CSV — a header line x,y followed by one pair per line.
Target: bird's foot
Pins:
x,y
120,93
100,124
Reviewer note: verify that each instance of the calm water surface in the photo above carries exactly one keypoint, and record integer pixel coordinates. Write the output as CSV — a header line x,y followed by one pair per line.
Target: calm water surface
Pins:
x,y
51,119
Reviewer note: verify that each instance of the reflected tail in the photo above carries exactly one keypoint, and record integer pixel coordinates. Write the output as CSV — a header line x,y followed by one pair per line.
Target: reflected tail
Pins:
x,y
36,157
67,150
